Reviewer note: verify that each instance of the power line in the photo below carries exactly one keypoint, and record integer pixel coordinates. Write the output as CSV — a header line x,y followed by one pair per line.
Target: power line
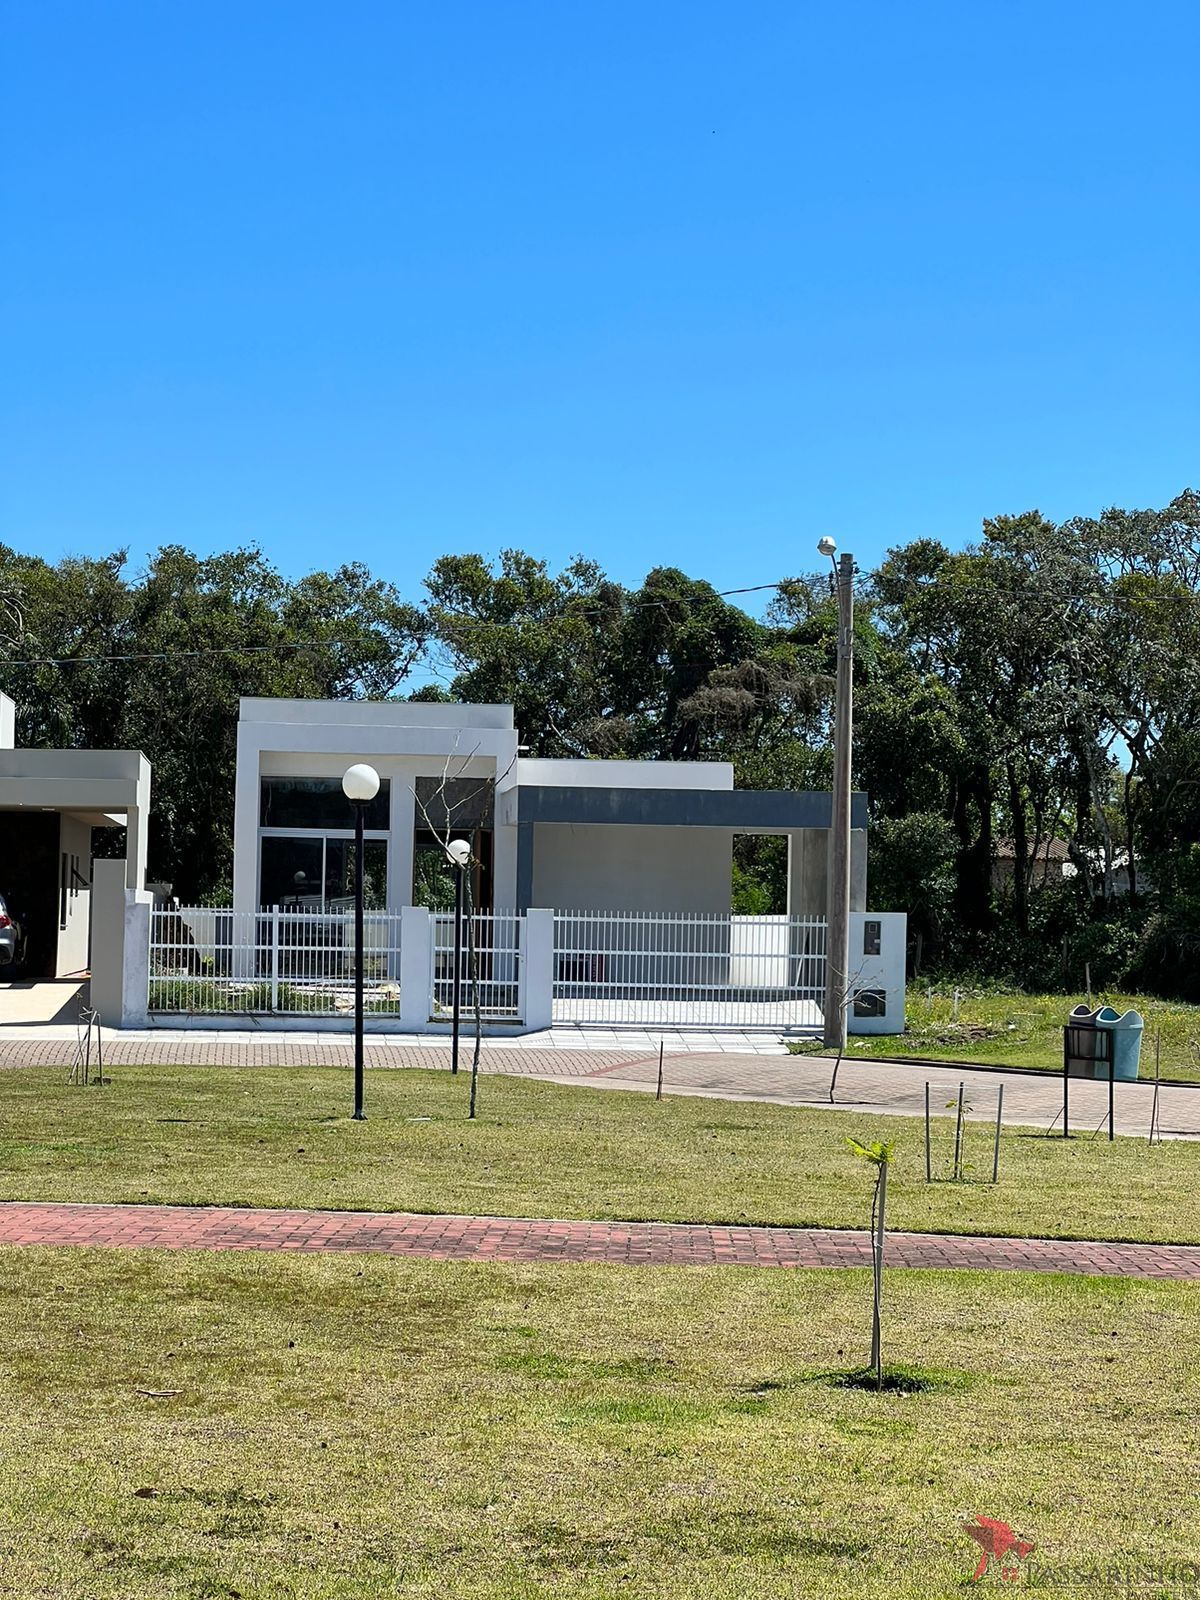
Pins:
x,y
324,644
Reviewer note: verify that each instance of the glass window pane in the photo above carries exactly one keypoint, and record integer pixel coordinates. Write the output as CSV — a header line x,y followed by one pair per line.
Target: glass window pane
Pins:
x,y
459,803
319,803
340,875
291,873
433,876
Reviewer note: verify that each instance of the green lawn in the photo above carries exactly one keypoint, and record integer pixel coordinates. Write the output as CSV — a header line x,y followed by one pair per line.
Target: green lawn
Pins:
x,y
1025,1030
356,1427
281,1137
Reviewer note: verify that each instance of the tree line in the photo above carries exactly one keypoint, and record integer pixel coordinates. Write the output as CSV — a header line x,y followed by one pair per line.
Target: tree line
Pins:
x,y
1027,709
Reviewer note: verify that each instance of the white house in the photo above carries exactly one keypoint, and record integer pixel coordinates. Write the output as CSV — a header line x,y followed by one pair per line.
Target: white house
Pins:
x,y
50,801
602,835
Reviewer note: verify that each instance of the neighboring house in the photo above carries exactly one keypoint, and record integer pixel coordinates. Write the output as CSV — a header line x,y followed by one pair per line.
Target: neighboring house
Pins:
x,y
50,801
597,835
1050,865
1054,865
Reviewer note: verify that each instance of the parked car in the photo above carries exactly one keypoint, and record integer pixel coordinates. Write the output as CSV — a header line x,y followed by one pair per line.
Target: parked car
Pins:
x,y
12,937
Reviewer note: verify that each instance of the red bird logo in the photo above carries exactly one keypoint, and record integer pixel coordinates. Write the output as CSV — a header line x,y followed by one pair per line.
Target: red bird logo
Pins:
x,y
996,1540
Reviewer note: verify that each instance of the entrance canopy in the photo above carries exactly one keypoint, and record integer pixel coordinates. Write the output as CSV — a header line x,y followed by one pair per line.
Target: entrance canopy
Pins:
x,y
98,788
634,847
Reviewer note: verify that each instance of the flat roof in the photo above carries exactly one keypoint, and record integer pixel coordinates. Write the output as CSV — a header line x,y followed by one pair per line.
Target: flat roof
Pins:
x,y
375,713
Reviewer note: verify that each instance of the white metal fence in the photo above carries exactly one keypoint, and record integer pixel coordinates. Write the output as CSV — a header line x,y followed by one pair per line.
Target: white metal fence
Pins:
x,y
602,969
497,940
216,961
684,969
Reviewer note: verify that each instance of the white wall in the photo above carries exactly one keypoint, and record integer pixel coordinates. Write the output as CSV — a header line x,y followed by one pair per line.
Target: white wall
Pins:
x,y
74,841
883,972
616,867
566,774
8,723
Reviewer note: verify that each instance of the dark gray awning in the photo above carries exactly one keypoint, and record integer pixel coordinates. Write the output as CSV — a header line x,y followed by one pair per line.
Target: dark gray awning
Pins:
x,y
746,810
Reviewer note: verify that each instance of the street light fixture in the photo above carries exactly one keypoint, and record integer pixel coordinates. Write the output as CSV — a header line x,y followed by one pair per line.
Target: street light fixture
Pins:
x,y
837,953
360,784
459,853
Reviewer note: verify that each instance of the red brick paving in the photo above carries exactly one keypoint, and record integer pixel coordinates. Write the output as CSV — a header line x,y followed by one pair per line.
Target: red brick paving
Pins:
x,y
336,1050
453,1238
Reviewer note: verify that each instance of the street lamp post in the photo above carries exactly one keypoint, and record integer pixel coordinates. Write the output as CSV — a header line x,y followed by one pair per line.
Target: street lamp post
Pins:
x,y
360,784
459,852
837,953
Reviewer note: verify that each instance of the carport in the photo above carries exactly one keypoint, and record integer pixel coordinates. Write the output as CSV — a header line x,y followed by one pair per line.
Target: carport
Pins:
x,y
50,800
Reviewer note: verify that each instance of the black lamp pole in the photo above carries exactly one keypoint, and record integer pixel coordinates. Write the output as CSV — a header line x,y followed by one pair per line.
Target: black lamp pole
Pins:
x,y
359,808
457,987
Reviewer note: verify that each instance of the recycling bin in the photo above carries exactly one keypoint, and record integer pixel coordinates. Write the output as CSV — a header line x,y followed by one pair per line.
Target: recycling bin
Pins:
x,y
1085,1054
1126,1030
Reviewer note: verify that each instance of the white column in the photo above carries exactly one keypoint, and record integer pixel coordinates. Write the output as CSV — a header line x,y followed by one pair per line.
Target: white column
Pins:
x,y
245,822
537,971
400,843
416,965
120,947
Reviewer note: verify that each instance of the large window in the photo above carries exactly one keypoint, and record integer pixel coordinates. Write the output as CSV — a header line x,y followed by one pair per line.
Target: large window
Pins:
x,y
305,873
319,803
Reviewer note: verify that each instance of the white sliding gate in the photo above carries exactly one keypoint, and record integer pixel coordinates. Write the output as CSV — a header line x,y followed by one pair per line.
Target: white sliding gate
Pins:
x,y
688,970
213,960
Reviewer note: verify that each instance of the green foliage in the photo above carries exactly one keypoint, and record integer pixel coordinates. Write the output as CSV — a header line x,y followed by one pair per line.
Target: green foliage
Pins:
x,y
878,1152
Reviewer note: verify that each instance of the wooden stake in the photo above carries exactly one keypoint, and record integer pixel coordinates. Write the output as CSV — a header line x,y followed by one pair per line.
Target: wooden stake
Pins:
x,y
928,1153
658,1091
958,1132
996,1149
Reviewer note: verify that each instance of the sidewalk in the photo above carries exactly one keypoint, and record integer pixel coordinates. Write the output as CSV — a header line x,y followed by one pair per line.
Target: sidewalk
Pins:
x,y
882,1087
650,1244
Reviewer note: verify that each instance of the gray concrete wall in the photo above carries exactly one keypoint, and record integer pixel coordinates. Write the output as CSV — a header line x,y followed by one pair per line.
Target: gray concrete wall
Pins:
x,y
808,872
603,868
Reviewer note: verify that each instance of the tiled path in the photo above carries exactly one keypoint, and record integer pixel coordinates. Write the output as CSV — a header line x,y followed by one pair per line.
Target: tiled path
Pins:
x,y
516,1239
1031,1099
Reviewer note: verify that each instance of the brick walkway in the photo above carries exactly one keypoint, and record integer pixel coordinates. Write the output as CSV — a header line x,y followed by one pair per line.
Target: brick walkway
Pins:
x,y
454,1238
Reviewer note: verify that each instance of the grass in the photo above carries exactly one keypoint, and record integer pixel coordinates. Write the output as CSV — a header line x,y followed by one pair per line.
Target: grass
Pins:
x,y
1023,1030
341,1427
282,1137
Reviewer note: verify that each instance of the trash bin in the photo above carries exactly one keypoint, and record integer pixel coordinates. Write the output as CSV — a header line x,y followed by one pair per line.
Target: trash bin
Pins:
x,y
1081,1046
1126,1030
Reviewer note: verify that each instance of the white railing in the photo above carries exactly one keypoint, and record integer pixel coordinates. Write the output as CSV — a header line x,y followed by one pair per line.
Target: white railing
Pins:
x,y
215,961
685,969
497,939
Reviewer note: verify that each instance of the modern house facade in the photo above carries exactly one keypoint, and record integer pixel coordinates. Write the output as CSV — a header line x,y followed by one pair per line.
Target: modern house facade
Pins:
x,y
654,836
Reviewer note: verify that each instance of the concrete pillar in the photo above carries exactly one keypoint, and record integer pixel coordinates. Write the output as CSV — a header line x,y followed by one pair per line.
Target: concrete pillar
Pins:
x,y
245,822
808,871
858,869
416,969
120,947
537,972
400,843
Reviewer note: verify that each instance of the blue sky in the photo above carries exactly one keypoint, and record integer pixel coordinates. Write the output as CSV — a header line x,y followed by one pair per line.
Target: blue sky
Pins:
x,y
657,282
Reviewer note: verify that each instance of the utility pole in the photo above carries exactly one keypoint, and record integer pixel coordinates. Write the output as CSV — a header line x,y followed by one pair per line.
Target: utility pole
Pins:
x,y
837,953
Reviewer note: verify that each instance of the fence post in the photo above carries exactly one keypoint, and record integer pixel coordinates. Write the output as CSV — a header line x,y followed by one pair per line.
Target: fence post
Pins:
x,y
274,958
537,971
416,969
